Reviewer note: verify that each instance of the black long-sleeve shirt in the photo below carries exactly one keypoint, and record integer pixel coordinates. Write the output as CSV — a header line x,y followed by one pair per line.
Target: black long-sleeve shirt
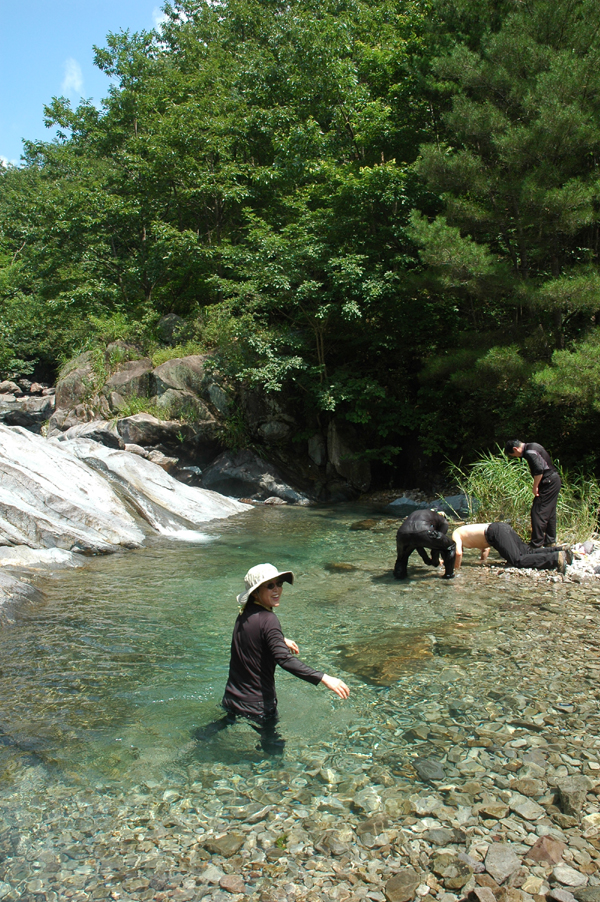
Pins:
x,y
540,462
257,646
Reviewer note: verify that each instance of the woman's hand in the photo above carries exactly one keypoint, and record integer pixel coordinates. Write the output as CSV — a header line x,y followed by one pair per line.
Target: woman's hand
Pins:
x,y
292,646
337,686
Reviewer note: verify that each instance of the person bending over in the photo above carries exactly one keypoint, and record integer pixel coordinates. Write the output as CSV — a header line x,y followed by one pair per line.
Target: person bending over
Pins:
x,y
546,486
424,529
507,543
257,646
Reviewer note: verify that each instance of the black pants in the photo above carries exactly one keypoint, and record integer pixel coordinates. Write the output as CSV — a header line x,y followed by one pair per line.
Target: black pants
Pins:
x,y
439,544
271,740
507,543
543,511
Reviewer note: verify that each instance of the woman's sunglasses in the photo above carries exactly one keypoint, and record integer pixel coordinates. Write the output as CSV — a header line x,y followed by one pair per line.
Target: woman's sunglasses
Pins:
x,y
278,582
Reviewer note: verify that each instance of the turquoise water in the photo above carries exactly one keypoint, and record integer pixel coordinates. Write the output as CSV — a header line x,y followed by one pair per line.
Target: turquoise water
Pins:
x,y
109,679
102,782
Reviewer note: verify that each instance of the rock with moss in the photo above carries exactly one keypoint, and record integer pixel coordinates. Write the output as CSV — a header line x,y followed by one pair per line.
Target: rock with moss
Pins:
x,y
184,405
170,328
133,378
76,382
181,373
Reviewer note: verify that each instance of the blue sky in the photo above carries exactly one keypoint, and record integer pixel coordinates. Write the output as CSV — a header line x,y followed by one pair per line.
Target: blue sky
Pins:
x,y
46,51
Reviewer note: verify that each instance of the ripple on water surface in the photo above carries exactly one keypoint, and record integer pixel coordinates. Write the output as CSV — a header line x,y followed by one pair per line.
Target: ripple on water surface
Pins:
x,y
104,686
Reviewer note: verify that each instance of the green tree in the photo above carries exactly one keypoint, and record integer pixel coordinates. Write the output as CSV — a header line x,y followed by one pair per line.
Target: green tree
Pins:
x,y
516,164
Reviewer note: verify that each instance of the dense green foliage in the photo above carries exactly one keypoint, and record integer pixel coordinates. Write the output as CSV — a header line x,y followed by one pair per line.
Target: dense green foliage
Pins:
x,y
386,210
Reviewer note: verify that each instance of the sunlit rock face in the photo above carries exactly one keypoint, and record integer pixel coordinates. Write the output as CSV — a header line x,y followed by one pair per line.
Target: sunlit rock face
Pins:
x,y
49,498
166,504
62,495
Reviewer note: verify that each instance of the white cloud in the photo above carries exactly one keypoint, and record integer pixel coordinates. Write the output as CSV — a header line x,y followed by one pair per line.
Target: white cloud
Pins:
x,y
73,80
159,16
5,162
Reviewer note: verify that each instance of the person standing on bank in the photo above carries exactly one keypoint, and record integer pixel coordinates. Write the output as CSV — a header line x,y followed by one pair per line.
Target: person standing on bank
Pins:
x,y
257,645
546,486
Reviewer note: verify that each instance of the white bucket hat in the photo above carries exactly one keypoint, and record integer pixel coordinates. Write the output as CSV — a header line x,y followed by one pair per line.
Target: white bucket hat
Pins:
x,y
260,574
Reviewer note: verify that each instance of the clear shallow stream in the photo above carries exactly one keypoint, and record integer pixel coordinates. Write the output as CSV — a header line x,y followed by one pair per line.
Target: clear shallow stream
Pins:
x,y
103,686
131,652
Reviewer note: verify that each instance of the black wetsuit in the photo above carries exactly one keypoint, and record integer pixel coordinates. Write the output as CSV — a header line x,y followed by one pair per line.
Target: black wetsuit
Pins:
x,y
543,509
516,553
257,646
424,529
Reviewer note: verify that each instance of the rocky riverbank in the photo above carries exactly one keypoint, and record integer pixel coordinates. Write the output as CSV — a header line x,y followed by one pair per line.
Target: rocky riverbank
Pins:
x,y
185,416
475,774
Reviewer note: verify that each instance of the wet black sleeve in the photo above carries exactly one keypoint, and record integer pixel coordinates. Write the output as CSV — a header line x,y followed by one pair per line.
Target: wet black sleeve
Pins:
x,y
282,655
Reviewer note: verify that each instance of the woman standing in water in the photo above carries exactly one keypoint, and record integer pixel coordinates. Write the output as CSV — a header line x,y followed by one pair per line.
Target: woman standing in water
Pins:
x,y
257,645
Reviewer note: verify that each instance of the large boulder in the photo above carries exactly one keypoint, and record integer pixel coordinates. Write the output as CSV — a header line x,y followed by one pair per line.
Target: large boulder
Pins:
x,y
404,506
102,431
189,376
76,383
344,455
183,404
144,429
168,505
454,506
181,394
317,449
28,411
133,378
274,431
266,415
218,398
458,506
243,474
182,374
199,442
7,387
62,419
76,495
49,499
170,328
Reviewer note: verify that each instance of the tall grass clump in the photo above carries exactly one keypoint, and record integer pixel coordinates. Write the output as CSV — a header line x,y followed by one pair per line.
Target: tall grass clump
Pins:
x,y
500,489
578,508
